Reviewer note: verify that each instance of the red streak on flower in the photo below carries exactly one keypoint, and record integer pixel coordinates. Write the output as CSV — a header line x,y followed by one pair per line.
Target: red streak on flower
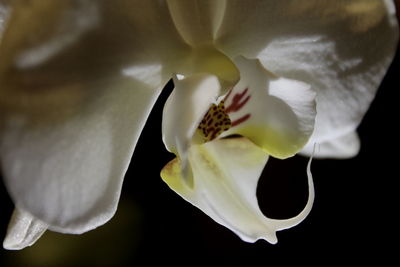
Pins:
x,y
240,120
237,102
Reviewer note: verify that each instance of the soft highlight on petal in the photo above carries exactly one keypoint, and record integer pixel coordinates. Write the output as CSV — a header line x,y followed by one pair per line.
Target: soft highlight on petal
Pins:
x,y
345,86
342,147
48,44
225,173
69,120
23,230
184,110
69,173
197,21
341,48
275,113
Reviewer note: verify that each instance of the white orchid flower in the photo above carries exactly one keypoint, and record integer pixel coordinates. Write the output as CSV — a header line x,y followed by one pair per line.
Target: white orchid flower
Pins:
x,y
78,79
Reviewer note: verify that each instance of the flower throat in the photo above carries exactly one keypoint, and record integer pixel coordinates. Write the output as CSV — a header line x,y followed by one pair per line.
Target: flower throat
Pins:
x,y
214,122
217,120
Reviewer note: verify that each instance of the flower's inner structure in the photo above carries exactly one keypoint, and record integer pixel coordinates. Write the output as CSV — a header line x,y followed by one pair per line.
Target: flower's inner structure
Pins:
x,y
239,100
217,120
214,122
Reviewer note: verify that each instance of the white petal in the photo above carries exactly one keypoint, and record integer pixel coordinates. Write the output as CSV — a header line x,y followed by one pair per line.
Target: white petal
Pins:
x,y
226,172
136,38
342,147
23,230
70,119
275,113
184,110
70,24
345,87
69,172
91,34
341,48
248,27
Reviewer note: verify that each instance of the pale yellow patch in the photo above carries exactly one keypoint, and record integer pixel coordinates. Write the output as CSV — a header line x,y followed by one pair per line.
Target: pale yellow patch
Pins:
x,y
207,59
204,160
276,143
171,174
361,15
367,14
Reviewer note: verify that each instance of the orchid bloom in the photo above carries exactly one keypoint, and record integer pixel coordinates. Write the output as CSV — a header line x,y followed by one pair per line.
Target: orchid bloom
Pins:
x,y
253,79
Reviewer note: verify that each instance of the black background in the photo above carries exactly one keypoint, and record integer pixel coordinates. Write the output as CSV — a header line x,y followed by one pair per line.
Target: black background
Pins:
x,y
353,218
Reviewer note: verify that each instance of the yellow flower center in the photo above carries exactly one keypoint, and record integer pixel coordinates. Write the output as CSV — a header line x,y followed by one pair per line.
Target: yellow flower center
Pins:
x,y
214,122
217,119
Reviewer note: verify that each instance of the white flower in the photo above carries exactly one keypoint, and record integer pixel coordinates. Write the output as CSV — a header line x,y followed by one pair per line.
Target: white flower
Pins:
x,y
78,79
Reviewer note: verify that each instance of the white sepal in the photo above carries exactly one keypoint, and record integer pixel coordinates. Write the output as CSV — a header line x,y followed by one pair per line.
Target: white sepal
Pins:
x,y
23,230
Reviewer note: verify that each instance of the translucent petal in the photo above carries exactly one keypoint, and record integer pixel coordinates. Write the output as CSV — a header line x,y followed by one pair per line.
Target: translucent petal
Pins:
x,y
45,61
197,21
275,113
23,230
246,29
83,40
77,82
226,172
68,172
342,147
185,108
341,48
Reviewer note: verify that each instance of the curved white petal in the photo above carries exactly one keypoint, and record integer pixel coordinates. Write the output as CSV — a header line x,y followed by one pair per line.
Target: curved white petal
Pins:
x,y
275,113
248,27
23,230
69,172
225,173
88,37
74,99
60,25
342,147
184,110
341,48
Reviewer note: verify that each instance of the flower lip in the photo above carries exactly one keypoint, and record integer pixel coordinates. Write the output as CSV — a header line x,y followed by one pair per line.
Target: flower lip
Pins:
x,y
226,172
